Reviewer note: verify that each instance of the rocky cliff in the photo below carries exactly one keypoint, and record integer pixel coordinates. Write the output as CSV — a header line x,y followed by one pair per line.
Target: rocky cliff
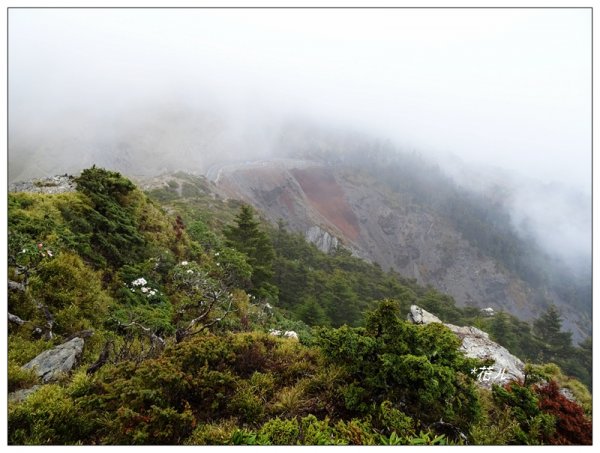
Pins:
x,y
333,207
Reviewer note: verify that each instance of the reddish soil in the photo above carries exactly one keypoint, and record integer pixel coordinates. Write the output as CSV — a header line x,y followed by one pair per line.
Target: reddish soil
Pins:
x,y
327,197
287,199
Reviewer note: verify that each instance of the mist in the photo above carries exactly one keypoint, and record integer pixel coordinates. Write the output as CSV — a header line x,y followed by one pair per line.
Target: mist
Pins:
x,y
146,91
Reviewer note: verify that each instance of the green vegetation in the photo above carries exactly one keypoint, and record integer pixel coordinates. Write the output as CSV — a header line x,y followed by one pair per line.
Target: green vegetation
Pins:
x,y
181,308
483,220
246,237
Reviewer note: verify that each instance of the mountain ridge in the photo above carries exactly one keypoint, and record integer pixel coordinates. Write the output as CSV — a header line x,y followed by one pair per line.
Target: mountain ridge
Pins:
x,y
389,229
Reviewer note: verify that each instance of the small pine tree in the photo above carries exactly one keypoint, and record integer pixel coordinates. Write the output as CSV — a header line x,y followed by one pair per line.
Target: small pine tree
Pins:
x,y
312,313
502,332
555,343
110,226
246,237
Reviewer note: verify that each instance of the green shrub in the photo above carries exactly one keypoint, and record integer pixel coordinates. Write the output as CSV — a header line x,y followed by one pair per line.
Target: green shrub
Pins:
x,y
22,350
497,426
535,426
156,426
47,417
356,432
280,432
394,420
19,378
217,433
73,293
417,368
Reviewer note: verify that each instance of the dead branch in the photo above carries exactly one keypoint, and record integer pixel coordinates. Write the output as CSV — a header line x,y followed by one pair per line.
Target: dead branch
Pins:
x,y
156,342
102,358
197,325
16,286
16,319
48,335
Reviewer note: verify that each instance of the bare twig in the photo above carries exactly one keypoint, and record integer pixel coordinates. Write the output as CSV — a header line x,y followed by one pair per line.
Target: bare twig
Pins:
x,y
155,338
197,324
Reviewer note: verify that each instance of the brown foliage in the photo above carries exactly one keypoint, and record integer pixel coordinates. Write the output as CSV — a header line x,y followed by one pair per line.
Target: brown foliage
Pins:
x,y
572,426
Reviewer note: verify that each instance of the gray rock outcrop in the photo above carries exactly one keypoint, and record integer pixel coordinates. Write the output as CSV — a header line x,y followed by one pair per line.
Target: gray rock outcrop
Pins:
x,y
51,185
419,316
51,364
477,344
322,239
21,395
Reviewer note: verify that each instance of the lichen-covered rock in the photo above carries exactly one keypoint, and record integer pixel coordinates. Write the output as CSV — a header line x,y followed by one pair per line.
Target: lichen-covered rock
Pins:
x,y
322,239
21,395
51,185
51,364
477,344
419,316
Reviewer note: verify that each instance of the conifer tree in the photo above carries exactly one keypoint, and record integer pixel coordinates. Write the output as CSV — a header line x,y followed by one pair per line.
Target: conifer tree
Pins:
x,y
246,236
502,332
556,344
312,313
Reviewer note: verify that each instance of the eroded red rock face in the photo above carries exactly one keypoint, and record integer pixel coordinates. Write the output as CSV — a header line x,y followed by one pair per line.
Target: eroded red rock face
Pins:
x,y
327,197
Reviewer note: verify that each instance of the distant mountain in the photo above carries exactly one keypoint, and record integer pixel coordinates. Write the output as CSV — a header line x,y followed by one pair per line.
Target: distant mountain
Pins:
x,y
470,234
338,204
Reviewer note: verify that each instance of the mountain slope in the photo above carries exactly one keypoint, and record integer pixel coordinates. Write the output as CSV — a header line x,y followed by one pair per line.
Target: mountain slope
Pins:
x,y
173,347
340,204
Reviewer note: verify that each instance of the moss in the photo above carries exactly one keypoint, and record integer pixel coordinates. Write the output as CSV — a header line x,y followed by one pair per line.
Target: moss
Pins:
x,y
218,433
47,417
22,350
19,378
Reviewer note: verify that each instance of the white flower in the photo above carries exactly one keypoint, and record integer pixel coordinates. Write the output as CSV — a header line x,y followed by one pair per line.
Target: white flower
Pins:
x,y
184,263
291,334
24,251
144,289
139,282
218,264
49,252
189,271
217,254
152,293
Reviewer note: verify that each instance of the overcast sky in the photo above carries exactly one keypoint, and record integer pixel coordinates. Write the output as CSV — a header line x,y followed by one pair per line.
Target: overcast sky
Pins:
x,y
510,88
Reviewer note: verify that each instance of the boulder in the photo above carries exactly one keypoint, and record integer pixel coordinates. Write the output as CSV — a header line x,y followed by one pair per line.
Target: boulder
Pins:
x,y
477,344
287,334
488,311
51,364
322,239
290,334
51,185
21,395
419,316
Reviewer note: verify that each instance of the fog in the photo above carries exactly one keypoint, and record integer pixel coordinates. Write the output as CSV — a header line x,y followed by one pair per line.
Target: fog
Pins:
x,y
152,90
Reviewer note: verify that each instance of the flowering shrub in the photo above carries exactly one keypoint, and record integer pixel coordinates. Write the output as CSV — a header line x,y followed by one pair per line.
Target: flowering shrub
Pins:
x,y
140,286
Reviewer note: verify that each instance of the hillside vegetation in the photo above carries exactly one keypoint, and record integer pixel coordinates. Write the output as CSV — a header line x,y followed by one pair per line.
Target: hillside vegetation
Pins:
x,y
176,311
483,219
